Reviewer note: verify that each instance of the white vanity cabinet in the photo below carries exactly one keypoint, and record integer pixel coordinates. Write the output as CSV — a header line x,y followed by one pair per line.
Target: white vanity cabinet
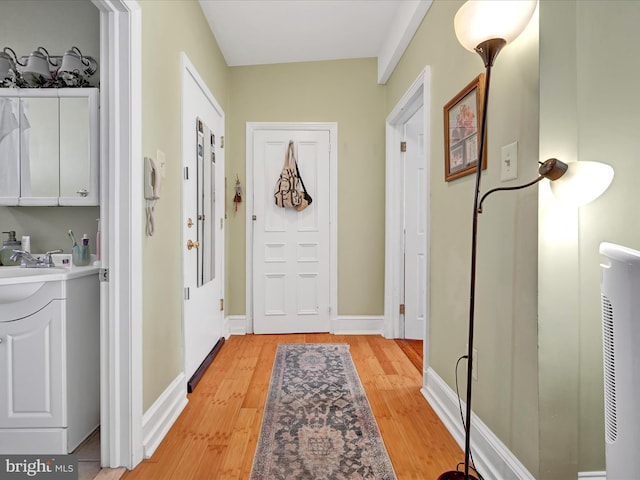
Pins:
x,y
50,366
49,148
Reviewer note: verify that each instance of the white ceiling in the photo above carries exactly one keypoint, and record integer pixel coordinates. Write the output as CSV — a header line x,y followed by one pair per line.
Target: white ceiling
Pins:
x,y
257,32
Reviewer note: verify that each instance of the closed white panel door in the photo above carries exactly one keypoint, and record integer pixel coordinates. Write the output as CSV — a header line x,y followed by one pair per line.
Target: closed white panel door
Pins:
x,y
202,199
290,248
415,217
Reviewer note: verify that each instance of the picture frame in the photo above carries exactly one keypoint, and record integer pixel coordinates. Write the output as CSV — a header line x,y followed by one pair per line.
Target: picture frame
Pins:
x,y
461,131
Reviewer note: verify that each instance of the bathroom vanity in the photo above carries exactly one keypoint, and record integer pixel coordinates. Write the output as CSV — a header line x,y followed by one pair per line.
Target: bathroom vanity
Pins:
x,y
49,358
49,148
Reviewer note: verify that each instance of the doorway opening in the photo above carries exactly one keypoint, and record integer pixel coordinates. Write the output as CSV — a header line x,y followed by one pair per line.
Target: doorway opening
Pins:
x,y
407,215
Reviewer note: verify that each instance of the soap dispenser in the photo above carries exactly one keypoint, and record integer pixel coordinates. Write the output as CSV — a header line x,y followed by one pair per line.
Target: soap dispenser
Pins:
x,y
8,246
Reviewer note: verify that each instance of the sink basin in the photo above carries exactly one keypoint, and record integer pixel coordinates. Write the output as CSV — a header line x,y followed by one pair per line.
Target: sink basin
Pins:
x,y
14,272
18,283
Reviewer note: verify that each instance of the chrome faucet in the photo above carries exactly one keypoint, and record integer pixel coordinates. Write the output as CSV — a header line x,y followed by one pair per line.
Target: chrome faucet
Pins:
x,y
29,261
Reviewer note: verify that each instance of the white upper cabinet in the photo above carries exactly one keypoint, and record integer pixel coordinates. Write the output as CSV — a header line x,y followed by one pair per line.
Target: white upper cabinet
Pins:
x,y
9,148
49,156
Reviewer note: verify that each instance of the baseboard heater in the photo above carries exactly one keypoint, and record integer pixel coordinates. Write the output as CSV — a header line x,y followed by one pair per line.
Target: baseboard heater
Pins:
x,y
197,376
620,287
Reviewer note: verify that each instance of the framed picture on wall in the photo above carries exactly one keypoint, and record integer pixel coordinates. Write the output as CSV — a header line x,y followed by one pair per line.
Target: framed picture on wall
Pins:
x,y
461,127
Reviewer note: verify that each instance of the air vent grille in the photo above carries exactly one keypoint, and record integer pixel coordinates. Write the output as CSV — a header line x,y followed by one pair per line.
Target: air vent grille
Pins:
x,y
611,423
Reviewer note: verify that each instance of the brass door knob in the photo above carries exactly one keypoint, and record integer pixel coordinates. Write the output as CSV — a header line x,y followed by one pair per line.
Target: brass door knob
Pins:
x,y
191,244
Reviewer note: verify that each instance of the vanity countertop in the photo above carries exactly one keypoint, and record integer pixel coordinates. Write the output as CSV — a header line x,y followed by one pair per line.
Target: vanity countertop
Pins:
x,y
61,272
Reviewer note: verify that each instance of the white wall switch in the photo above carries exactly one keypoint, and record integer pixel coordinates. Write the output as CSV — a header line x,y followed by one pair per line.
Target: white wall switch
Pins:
x,y
509,163
162,163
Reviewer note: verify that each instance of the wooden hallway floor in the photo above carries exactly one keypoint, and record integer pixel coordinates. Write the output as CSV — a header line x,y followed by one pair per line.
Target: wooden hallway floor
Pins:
x,y
413,350
215,437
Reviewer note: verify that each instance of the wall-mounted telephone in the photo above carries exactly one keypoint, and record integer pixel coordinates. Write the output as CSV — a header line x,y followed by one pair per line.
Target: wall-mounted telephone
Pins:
x,y
151,179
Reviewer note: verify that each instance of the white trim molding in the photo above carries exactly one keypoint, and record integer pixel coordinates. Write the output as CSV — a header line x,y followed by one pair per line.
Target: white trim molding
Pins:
x,y
405,25
418,95
492,458
593,475
236,325
121,221
159,418
341,325
358,325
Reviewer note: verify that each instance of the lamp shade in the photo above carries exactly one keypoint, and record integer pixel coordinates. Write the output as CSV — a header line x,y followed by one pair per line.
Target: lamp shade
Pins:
x,y
7,62
582,183
37,66
74,62
480,20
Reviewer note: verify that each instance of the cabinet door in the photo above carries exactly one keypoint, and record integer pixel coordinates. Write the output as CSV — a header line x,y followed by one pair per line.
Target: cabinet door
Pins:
x,y
31,370
39,151
78,147
9,150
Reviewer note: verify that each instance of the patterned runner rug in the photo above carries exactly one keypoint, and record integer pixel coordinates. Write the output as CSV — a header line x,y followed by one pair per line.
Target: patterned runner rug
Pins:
x,y
317,422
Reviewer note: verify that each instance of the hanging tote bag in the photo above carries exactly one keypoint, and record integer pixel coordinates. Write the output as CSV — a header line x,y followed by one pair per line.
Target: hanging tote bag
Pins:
x,y
286,192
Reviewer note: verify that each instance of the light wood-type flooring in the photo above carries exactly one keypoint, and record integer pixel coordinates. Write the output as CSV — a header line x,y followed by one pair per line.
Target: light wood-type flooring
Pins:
x,y
215,436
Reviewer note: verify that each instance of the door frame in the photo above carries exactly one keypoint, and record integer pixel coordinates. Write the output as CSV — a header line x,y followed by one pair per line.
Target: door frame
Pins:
x,y
332,127
417,95
122,227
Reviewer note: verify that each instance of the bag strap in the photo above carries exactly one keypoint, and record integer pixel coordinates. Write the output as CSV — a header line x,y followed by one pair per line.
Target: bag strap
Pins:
x,y
295,162
300,178
288,154
291,156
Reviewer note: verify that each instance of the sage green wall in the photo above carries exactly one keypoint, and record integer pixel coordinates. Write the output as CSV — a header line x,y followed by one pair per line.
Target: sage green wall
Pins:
x,y
598,119
505,395
345,92
57,26
168,28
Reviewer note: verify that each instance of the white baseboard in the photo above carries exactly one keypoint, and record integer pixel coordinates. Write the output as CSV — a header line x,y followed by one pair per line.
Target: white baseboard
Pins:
x,y
343,325
236,324
492,458
358,325
157,421
593,475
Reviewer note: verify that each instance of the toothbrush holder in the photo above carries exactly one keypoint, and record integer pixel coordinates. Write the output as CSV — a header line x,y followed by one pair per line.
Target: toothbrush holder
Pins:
x,y
81,255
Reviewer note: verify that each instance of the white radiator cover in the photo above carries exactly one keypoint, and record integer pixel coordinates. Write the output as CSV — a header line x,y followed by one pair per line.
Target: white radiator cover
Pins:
x,y
620,288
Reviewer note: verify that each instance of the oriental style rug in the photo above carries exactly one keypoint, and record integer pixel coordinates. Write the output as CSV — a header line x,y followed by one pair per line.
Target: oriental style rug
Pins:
x,y
317,422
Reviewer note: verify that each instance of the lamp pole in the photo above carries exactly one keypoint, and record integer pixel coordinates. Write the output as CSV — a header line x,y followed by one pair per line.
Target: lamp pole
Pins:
x,y
488,51
484,26
552,169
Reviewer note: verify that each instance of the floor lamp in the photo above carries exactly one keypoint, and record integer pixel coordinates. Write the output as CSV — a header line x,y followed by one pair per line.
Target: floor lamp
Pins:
x,y
486,26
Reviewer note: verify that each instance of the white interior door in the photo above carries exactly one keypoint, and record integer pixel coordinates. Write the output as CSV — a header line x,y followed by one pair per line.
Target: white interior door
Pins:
x,y
415,218
202,215
291,249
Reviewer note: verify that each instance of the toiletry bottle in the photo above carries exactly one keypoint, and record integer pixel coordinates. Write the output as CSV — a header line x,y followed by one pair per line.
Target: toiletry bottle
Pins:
x,y
8,246
26,243
85,251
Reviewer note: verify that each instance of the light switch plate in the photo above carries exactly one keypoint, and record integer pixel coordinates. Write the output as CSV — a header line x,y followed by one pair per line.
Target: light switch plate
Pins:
x,y
162,163
509,162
